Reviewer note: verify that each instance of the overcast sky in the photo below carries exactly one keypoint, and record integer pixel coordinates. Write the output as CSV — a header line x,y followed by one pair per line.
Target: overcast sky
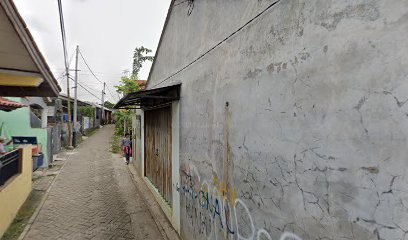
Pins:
x,y
106,31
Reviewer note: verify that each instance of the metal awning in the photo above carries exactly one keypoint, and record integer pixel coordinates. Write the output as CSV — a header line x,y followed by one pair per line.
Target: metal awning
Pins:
x,y
149,98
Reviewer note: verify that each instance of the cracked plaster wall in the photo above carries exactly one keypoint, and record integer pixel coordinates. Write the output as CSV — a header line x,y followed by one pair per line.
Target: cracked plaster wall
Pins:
x,y
314,137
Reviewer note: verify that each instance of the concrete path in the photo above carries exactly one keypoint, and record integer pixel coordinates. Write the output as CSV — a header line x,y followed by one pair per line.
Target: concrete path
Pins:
x,y
94,197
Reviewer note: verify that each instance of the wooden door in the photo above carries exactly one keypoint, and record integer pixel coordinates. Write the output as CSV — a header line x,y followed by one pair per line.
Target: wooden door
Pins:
x,y
158,150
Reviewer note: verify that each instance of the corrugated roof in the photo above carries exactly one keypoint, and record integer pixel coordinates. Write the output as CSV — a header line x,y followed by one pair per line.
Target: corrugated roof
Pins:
x,y
8,105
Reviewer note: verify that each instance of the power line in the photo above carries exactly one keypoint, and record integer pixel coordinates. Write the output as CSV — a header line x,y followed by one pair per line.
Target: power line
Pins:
x,y
92,89
59,78
110,93
218,44
97,73
83,87
93,74
71,58
82,56
63,74
88,86
89,91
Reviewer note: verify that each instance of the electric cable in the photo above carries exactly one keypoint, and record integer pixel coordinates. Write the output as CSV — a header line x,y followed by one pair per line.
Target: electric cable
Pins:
x,y
93,74
218,44
63,74
110,93
82,56
83,87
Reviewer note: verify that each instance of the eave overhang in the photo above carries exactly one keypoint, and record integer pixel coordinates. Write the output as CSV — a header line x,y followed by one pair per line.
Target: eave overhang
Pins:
x,y
151,98
26,82
9,105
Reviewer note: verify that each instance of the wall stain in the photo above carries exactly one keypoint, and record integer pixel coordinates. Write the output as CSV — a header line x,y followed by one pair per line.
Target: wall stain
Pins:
x,y
373,170
270,68
253,73
365,11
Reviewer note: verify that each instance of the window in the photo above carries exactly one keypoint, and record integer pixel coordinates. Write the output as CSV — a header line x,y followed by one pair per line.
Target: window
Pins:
x,y
35,116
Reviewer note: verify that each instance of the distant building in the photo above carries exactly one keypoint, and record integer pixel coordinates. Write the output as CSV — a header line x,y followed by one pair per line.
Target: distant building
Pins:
x,y
141,84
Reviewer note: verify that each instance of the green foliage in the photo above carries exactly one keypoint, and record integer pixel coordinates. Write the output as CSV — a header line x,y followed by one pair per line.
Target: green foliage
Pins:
x,y
87,111
115,146
121,116
108,104
128,82
127,85
139,57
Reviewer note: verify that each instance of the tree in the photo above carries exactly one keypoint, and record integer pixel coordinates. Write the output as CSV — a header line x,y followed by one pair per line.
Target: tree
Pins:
x,y
139,57
108,104
127,85
87,111
122,116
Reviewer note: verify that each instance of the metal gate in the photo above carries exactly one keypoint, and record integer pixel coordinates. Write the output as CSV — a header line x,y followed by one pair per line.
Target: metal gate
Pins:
x,y
158,150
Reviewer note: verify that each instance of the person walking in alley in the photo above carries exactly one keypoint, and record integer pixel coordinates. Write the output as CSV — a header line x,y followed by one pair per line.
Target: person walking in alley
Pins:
x,y
126,145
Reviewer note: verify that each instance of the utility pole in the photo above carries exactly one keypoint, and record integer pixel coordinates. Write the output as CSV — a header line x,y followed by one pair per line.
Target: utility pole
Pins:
x,y
103,102
69,114
75,99
64,44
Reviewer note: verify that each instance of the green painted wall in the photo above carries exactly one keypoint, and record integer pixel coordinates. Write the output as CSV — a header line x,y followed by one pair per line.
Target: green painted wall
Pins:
x,y
17,123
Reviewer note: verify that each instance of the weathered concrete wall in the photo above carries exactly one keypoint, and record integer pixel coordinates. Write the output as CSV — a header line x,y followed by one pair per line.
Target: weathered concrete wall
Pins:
x,y
313,139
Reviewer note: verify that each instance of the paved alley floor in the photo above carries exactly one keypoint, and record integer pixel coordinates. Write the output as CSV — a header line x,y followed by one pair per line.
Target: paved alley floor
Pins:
x,y
94,197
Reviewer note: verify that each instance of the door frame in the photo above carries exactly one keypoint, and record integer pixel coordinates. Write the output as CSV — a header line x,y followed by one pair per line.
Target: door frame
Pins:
x,y
172,212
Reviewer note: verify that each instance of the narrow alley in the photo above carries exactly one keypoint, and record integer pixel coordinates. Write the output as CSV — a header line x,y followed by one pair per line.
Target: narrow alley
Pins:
x,y
94,198
255,120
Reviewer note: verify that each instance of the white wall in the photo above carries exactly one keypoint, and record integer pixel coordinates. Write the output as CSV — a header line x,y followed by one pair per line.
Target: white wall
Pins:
x,y
314,137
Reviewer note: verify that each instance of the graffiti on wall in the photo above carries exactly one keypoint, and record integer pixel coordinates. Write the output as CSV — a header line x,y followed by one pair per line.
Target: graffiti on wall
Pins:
x,y
213,209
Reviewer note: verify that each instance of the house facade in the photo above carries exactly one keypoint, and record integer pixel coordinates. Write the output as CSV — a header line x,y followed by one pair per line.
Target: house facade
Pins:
x,y
29,121
25,76
289,117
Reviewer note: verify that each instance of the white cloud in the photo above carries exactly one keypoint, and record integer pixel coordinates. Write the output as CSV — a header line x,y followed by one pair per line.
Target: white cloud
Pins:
x,y
107,32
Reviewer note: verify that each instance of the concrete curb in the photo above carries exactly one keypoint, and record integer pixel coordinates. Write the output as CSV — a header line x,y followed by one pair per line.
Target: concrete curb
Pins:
x,y
45,197
37,211
159,217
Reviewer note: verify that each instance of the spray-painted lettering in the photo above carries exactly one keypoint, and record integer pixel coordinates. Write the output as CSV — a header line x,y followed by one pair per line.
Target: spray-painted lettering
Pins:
x,y
214,210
